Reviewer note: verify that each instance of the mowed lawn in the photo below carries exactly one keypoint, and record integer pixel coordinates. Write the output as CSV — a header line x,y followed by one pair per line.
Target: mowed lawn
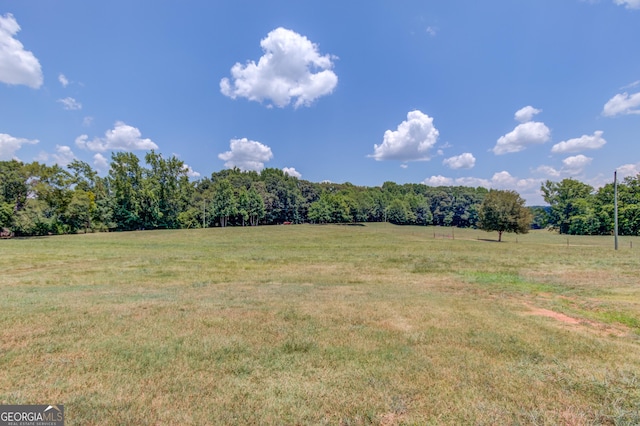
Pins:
x,y
340,325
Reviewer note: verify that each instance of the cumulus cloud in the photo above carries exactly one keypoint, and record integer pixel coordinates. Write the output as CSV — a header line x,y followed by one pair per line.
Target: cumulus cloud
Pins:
x,y
17,65
438,181
63,80
571,166
291,69
190,172
582,143
500,180
9,145
626,170
622,104
463,161
629,4
292,172
526,114
548,171
69,103
410,142
576,164
64,155
523,136
121,137
246,155
100,161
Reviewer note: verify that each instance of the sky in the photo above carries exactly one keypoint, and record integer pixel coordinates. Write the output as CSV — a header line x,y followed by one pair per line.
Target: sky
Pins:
x,y
502,94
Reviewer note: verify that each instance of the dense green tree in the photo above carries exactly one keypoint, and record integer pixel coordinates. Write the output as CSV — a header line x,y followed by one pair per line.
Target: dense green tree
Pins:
x,y
13,184
6,215
169,189
399,212
320,211
255,206
126,183
540,217
504,211
51,184
79,211
419,208
224,204
568,198
285,200
36,218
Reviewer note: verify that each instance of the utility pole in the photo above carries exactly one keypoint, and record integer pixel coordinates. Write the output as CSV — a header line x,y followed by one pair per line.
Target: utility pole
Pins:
x,y
615,209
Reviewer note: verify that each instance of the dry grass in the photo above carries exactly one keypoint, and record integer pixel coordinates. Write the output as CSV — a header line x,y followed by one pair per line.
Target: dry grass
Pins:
x,y
322,325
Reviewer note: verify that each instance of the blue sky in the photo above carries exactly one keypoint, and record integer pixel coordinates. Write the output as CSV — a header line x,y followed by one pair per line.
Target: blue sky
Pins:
x,y
502,94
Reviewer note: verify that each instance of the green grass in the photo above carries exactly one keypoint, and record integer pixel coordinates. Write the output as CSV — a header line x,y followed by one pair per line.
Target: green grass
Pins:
x,y
322,325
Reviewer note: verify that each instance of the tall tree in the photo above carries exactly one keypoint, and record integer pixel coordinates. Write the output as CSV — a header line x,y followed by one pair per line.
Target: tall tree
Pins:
x,y
569,200
169,187
504,211
126,182
399,212
224,204
255,206
13,184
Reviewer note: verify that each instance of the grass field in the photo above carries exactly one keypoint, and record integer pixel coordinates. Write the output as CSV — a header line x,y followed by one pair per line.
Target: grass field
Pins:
x,y
305,324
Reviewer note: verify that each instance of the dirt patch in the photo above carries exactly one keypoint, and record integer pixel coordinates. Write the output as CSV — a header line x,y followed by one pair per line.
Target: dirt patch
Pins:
x,y
397,323
555,315
583,324
391,419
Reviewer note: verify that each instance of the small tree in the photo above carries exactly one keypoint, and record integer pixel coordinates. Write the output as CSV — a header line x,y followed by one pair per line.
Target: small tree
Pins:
x,y
504,211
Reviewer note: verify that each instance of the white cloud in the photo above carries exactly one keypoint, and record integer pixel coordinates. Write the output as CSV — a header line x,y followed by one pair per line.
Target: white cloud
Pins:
x,y
69,103
121,137
190,171
87,121
526,114
432,31
622,104
548,171
42,157
582,143
629,4
291,171
438,181
17,66
410,142
63,155
576,164
101,162
291,68
463,161
9,145
246,155
625,170
571,166
524,135
500,180
63,80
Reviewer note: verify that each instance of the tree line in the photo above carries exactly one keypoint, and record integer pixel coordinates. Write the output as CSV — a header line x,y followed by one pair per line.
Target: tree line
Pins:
x,y
578,209
157,193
